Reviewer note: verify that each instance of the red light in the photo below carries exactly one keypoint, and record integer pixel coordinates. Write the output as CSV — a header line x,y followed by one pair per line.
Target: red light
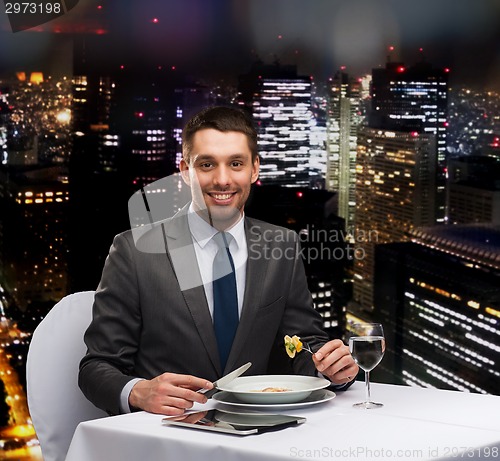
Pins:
x,y
401,69
414,134
122,67
280,37
174,68
259,182
421,49
391,48
446,124
446,69
99,7
342,67
300,194
155,20
139,114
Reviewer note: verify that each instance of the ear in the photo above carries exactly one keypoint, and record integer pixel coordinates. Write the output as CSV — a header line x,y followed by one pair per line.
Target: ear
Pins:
x,y
184,168
255,169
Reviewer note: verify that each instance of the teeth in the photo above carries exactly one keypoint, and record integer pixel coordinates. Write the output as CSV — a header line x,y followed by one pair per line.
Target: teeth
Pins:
x,y
222,196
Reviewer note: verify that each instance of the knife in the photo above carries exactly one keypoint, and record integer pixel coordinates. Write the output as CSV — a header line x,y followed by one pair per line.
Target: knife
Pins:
x,y
224,380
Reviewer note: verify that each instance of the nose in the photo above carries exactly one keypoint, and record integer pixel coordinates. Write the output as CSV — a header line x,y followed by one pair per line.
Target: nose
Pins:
x,y
222,176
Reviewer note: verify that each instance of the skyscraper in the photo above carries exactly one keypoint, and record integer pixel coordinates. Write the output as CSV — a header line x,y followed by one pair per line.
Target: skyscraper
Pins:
x,y
280,102
439,299
34,216
395,189
414,99
474,189
343,120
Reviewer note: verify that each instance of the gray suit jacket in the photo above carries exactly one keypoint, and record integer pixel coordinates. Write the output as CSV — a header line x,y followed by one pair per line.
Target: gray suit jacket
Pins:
x,y
144,324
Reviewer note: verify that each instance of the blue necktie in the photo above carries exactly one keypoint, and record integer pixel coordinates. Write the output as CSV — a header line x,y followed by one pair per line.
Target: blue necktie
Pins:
x,y
225,297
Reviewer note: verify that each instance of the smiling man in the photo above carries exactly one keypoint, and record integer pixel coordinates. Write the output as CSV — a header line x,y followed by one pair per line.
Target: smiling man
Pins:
x,y
154,339
220,167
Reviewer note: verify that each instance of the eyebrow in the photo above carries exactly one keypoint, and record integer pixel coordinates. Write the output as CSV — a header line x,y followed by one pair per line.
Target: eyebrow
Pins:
x,y
205,157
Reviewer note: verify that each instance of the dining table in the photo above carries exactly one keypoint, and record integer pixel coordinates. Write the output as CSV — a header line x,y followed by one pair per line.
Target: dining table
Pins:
x,y
414,423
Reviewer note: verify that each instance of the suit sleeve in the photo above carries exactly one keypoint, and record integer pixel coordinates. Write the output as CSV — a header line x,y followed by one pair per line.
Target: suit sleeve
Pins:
x,y
113,336
300,318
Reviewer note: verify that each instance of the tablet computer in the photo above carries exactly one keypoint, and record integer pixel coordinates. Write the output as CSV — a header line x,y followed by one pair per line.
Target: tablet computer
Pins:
x,y
233,423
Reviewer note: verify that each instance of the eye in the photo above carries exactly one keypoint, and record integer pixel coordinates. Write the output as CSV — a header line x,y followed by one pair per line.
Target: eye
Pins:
x,y
205,165
236,163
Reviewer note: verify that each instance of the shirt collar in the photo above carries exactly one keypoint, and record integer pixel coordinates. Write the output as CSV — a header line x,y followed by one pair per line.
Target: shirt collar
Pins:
x,y
203,232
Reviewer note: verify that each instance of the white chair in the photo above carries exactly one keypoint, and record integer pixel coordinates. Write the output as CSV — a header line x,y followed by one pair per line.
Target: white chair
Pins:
x,y
55,401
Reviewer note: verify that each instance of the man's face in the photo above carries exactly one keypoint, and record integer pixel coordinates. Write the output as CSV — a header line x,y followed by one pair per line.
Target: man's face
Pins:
x,y
220,173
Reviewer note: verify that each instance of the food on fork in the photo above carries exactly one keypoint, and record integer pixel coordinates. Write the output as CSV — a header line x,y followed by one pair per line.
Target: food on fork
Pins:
x,y
293,345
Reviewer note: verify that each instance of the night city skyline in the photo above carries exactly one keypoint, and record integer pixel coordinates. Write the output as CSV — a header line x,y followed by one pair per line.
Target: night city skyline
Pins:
x,y
379,136
217,38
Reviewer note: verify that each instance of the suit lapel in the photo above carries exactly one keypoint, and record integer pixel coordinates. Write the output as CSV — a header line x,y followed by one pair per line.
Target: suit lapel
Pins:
x,y
185,265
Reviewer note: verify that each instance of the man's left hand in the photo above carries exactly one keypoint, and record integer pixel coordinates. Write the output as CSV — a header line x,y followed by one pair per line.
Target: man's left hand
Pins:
x,y
335,362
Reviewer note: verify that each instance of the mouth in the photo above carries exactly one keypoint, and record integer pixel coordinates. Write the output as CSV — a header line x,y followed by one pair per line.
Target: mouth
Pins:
x,y
222,198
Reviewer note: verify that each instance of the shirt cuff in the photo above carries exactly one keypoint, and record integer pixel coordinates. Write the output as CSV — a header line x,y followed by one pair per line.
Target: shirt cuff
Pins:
x,y
336,387
127,389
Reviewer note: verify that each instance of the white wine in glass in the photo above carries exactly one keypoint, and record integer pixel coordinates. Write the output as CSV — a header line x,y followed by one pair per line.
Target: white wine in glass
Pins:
x,y
367,347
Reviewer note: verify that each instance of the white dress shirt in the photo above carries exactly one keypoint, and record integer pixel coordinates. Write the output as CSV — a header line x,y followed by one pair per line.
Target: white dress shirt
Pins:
x,y
206,248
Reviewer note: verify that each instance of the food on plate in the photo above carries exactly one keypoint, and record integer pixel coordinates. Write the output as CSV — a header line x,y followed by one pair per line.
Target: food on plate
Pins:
x,y
293,345
275,389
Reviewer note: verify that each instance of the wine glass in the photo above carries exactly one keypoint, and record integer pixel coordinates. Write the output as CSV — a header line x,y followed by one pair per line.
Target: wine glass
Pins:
x,y
367,347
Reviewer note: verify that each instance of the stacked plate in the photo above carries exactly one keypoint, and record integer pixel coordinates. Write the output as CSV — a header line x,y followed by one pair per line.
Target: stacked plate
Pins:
x,y
274,391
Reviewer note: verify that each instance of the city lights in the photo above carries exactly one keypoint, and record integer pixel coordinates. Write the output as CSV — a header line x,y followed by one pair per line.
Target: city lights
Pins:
x,y
405,151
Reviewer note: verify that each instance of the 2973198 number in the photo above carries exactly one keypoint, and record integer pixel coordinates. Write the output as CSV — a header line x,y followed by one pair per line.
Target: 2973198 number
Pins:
x,y
474,453
33,8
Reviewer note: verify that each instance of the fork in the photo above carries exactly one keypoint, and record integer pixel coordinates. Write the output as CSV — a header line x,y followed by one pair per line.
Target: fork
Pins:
x,y
306,347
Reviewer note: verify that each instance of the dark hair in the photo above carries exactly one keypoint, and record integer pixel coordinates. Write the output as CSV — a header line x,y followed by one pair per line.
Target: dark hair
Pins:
x,y
219,118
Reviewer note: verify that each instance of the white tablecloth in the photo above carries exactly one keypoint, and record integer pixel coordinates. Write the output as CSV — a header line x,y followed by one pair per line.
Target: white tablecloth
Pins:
x,y
414,424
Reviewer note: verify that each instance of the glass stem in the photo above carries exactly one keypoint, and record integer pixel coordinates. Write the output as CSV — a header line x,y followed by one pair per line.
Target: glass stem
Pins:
x,y
367,383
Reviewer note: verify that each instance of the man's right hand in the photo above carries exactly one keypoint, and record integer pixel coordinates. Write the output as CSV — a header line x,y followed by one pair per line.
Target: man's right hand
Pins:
x,y
168,394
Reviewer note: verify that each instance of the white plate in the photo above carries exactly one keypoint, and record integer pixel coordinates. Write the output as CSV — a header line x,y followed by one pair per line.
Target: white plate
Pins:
x,y
319,396
248,389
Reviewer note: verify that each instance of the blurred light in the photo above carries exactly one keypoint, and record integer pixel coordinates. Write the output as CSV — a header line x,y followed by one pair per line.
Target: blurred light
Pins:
x,y
391,48
446,69
64,116
155,20
36,77
401,69
300,194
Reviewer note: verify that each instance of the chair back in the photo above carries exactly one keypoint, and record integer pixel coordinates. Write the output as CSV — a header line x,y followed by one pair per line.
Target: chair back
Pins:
x,y
55,401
